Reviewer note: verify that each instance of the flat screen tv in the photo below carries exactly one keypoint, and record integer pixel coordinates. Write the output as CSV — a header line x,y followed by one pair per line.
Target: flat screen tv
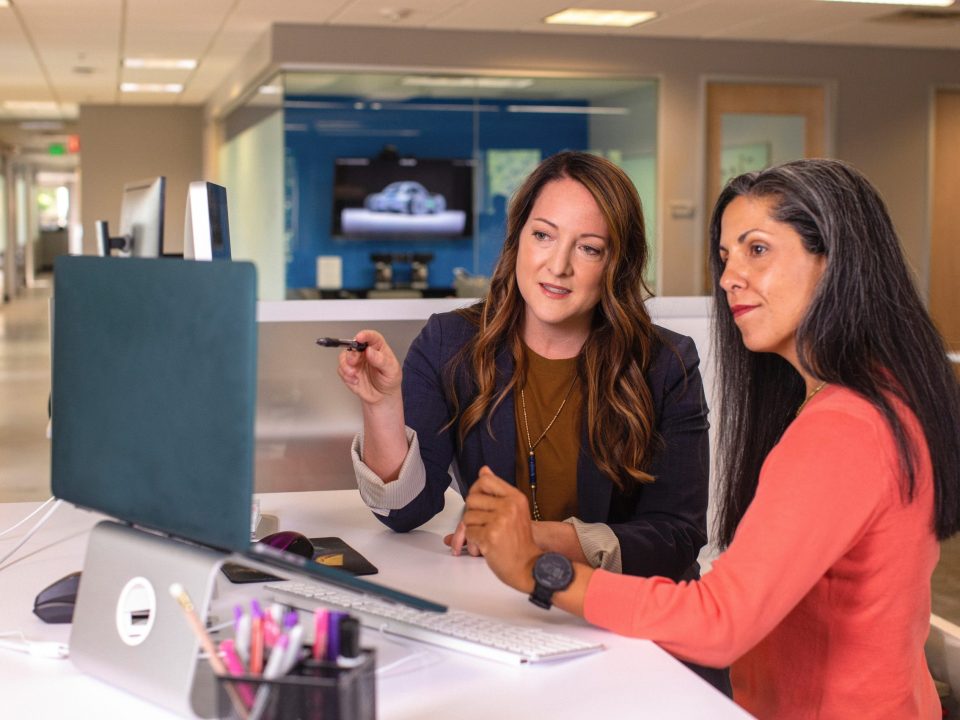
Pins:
x,y
402,197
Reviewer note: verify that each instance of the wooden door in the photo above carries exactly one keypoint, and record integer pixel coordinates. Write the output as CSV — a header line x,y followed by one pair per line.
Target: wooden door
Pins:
x,y
945,223
779,122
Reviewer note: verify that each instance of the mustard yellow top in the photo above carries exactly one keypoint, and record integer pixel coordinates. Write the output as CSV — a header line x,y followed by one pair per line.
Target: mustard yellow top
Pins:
x,y
546,386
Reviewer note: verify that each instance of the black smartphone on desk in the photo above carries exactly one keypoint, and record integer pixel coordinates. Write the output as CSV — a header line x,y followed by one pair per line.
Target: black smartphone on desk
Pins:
x,y
329,551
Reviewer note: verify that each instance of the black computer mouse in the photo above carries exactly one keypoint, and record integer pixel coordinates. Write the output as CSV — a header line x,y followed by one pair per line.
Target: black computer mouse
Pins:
x,y
55,602
290,541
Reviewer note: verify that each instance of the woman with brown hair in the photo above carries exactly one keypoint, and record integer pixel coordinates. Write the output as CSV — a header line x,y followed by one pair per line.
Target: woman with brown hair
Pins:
x,y
558,381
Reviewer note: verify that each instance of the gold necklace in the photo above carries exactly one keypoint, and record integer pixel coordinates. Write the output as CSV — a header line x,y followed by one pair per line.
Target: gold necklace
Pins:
x,y
531,457
809,397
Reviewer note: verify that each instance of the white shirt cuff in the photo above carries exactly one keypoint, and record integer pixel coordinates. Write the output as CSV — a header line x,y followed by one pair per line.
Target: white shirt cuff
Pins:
x,y
599,544
383,497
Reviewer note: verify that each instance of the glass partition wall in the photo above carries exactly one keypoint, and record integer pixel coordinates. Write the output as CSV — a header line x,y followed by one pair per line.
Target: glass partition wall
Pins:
x,y
363,185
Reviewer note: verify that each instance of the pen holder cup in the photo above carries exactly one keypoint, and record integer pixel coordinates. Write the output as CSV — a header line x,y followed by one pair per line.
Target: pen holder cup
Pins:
x,y
312,690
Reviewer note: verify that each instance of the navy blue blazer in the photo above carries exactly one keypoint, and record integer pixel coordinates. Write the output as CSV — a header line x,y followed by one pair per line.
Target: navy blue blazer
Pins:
x,y
661,526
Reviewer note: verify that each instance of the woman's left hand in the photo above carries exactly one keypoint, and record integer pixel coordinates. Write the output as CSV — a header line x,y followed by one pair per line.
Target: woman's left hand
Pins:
x,y
498,522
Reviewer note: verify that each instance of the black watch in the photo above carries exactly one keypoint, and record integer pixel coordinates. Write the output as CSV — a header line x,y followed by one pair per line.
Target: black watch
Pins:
x,y
552,572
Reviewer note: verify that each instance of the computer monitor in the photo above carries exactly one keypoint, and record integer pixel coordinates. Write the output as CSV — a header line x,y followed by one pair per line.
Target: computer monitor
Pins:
x,y
206,227
141,221
154,392
154,385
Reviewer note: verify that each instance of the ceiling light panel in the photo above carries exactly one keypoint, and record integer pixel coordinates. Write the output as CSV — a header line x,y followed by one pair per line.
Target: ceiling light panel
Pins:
x,y
39,109
160,63
32,106
132,87
600,18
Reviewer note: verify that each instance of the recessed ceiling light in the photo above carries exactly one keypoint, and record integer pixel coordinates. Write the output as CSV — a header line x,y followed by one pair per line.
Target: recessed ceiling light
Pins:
x,y
395,14
270,90
923,3
160,63
30,105
466,82
4,3
129,87
604,18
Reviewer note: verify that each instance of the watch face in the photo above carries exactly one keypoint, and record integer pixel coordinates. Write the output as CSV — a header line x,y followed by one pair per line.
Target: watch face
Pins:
x,y
553,571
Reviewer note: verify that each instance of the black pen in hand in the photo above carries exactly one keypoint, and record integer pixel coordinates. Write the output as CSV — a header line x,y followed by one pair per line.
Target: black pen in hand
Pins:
x,y
349,344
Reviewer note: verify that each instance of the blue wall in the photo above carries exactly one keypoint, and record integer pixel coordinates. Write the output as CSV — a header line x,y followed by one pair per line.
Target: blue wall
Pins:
x,y
320,129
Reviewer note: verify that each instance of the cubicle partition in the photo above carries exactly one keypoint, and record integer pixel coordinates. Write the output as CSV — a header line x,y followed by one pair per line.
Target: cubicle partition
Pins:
x,y
306,418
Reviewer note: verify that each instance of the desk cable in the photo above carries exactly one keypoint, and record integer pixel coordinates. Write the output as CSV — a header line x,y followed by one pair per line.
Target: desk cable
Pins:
x,y
32,531
21,522
38,648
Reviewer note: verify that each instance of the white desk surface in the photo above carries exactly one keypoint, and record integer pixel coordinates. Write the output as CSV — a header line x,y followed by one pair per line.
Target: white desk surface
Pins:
x,y
632,678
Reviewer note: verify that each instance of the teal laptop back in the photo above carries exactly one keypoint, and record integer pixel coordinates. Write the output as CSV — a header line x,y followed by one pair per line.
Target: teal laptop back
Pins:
x,y
154,393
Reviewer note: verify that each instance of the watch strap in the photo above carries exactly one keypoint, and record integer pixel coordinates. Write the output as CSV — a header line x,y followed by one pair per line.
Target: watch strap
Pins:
x,y
541,596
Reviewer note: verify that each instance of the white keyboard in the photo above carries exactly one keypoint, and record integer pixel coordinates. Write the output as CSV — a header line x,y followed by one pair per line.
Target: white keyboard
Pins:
x,y
456,630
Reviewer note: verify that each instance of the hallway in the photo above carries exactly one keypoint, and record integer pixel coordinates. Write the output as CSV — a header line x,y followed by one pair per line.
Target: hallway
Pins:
x,y
24,394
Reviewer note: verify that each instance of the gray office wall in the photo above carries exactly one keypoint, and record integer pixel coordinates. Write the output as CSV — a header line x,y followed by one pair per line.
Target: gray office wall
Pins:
x,y
120,144
881,111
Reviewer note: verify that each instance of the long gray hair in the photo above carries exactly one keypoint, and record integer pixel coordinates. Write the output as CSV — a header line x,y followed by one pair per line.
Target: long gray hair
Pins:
x,y
866,329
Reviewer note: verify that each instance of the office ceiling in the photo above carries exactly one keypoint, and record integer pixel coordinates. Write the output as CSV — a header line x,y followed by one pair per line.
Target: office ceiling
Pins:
x,y
71,52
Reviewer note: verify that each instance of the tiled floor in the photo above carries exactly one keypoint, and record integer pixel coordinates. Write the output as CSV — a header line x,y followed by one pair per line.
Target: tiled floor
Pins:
x,y
24,393
25,449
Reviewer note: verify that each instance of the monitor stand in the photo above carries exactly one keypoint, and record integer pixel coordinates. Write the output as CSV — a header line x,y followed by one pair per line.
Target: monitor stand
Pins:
x,y
266,525
130,632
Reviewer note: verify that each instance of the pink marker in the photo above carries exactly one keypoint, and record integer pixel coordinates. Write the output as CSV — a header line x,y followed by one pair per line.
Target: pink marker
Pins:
x,y
320,634
235,666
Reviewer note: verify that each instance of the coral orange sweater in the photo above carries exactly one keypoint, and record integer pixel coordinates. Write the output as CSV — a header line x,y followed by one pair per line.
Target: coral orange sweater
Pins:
x,y
822,601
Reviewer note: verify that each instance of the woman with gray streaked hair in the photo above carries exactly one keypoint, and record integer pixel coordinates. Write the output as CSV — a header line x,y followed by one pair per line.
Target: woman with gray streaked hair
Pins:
x,y
839,465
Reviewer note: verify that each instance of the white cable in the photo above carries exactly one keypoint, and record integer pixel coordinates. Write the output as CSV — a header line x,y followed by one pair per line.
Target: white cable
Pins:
x,y
38,648
30,534
413,660
14,527
420,660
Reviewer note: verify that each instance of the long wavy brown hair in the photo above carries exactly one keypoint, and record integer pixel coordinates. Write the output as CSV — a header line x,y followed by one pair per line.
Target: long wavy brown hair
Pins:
x,y
613,361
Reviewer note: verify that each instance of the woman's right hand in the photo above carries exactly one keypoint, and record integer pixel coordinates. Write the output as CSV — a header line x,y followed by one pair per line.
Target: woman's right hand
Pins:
x,y
374,374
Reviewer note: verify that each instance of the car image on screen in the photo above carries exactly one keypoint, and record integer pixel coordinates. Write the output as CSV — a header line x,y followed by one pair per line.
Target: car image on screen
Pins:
x,y
407,197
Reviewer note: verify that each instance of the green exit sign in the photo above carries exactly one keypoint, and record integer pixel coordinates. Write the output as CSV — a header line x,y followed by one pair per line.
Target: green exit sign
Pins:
x,y
57,149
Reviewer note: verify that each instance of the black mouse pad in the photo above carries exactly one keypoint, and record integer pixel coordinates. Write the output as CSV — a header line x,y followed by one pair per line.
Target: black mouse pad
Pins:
x,y
329,551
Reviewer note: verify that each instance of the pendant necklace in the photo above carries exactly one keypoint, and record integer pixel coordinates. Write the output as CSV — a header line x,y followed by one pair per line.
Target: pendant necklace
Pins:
x,y
809,397
532,446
